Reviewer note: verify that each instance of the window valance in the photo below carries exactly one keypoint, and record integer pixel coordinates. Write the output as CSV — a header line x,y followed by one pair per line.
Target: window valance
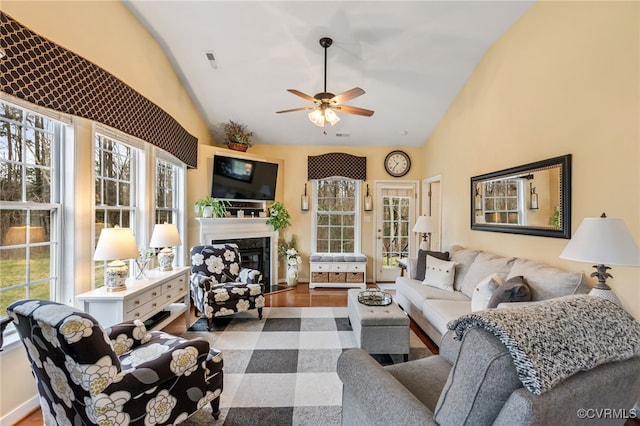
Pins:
x,y
43,73
336,164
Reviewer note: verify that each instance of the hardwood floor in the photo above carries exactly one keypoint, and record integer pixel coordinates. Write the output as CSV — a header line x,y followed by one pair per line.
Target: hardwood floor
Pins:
x,y
299,296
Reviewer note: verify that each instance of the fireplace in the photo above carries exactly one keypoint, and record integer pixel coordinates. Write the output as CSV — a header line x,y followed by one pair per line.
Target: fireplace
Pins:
x,y
253,252
257,241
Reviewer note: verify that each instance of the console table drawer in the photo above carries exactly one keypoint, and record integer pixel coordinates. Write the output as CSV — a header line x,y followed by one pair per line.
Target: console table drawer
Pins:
x,y
142,299
320,267
177,286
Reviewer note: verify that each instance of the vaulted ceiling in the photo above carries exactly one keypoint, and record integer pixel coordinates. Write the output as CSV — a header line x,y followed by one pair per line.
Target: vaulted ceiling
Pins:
x,y
411,58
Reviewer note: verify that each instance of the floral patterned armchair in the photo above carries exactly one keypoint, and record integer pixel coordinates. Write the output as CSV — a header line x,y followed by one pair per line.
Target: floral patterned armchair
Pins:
x,y
220,286
121,375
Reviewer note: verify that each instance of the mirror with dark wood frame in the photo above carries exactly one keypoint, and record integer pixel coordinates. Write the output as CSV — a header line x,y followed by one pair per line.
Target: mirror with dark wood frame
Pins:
x,y
531,199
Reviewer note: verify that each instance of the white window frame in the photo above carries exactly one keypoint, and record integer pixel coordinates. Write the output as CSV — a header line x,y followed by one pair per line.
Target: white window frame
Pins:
x,y
63,141
357,221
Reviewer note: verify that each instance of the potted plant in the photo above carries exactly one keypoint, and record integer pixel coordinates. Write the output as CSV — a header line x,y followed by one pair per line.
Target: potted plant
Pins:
x,y
237,135
279,217
212,207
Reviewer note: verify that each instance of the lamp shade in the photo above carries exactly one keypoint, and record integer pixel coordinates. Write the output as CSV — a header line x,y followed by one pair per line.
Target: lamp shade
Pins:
x,y
605,241
116,243
424,224
165,235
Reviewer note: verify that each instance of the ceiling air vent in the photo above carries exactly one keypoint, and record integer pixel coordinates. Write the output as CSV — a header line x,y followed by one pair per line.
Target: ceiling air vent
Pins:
x,y
212,59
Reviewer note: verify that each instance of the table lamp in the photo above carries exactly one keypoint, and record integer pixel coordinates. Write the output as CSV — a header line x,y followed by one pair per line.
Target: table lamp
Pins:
x,y
116,244
603,241
166,236
425,226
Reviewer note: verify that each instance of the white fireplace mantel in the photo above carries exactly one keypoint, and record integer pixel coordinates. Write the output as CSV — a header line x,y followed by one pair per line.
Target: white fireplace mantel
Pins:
x,y
239,228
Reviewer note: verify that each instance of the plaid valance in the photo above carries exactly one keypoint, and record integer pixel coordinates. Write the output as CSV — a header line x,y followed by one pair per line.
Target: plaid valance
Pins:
x,y
43,73
336,164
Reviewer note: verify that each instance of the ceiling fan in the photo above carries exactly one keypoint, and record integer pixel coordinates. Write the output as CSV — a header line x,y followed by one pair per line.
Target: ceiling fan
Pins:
x,y
325,103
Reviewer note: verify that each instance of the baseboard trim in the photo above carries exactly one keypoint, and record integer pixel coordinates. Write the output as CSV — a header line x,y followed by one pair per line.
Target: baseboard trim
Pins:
x,y
20,412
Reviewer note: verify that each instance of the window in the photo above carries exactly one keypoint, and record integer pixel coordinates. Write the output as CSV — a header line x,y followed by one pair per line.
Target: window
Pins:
x,y
29,205
167,183
395,228
337,227
115,189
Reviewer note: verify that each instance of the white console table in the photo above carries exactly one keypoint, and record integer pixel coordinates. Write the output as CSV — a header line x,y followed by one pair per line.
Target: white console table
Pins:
x,y
160,291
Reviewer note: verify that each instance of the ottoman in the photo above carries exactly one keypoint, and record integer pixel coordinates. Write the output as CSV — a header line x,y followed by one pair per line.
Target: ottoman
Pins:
x,y
379,329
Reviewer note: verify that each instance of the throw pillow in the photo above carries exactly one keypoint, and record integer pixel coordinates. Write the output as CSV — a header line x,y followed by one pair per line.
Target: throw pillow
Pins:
x,y
515,289
483,292
439,273
421,266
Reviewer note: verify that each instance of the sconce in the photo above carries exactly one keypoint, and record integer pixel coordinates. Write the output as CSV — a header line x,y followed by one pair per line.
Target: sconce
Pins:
x,y
304,200
368,201
533,201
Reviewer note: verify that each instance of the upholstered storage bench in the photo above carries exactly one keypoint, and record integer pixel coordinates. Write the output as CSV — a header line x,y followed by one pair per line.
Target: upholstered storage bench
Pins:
x,y
338,270
379,329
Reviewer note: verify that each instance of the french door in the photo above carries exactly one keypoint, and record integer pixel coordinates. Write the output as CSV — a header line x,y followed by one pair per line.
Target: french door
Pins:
x,y
394,218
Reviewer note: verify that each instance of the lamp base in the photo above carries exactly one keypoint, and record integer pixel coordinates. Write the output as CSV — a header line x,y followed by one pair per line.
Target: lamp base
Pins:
x,y
165,259
605,294
115,275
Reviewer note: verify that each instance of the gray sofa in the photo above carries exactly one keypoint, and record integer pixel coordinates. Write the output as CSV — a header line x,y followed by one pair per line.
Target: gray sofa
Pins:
x,y
475,382
432,308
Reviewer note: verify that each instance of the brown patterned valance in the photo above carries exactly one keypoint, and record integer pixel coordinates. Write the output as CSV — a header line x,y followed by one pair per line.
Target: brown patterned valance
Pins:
x,y
43,73
336,164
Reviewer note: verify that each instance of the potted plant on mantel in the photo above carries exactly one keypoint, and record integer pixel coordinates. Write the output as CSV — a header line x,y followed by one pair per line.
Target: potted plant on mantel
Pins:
x,y
237,135
211,207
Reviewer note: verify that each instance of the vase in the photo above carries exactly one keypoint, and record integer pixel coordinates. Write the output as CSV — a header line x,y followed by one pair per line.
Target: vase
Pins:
x,y
292,275
237,146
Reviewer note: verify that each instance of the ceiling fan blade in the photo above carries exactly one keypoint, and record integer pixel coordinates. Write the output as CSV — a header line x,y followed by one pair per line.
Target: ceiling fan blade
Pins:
x,y
353,110
295,109
303,95
347,96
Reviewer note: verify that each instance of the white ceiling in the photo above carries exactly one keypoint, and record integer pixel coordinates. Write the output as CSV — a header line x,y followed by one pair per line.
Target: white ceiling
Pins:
x,y
412,58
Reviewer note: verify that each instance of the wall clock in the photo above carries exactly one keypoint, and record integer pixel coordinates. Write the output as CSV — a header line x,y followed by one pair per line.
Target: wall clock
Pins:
x,y
397,163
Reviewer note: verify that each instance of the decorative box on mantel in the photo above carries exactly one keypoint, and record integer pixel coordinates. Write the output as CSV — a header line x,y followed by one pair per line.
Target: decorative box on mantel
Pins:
x,y
231,229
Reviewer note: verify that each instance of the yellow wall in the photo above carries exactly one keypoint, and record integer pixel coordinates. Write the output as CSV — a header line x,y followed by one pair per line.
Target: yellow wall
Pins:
x,y
563,80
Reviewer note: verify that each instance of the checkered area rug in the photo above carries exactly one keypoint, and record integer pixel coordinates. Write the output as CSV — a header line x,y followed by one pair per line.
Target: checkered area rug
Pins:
x,y
281,370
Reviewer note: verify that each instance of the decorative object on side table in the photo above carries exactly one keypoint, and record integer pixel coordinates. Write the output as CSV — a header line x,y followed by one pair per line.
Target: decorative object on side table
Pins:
x,y
142,262
603,241
165,236
293,260
424,225
116,244
279,217
237,135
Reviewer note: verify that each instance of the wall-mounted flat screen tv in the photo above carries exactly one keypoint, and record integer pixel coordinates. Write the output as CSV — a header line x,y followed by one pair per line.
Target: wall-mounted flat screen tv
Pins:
x,y
243,179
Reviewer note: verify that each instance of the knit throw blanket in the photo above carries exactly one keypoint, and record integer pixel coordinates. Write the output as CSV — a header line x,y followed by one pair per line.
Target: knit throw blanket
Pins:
x,y
552,340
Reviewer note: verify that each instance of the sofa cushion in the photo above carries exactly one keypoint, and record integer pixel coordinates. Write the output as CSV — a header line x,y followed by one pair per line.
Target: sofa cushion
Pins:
x,y
417,293
421,266
546,282
463,258
484,265
515,289
439,273
483,292
439,312
480,382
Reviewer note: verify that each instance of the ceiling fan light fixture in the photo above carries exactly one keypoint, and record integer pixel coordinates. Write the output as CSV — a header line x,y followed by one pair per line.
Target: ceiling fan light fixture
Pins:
x,y
317,117
322,116
331,116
